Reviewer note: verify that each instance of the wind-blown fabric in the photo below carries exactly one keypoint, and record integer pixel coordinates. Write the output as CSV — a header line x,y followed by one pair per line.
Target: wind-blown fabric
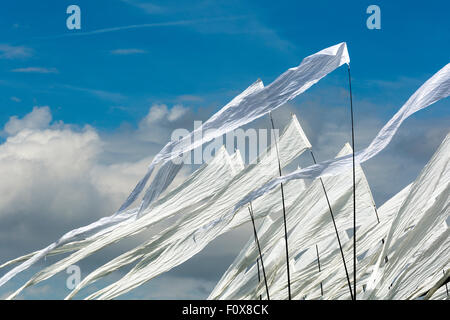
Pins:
x,y
240,280
433,90
260,100
254,103
177,243
162,180
103,223
66,238
403,256
194,193
167,234
309,223
418,242
371,234
251,104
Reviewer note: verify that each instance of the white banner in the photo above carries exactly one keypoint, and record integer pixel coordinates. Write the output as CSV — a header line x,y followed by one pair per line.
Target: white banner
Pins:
x,y
433,90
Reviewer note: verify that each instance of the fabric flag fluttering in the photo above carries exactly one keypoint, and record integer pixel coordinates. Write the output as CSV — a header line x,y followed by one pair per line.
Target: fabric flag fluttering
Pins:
x,y
433,90
209,205
310,223
194,195
418,241
250,105
176,244
254,103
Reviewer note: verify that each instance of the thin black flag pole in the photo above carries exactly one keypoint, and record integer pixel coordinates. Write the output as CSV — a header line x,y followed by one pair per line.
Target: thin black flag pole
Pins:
x,y
354,185
335,229
259,276
250,210
446,288
318,263
284,212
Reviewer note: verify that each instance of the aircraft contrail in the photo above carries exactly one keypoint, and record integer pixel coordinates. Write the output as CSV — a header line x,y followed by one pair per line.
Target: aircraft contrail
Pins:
x,y
145,25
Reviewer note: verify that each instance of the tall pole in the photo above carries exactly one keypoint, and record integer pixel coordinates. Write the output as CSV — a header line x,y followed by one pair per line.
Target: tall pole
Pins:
x,y
335,229
376,212
318,263
259,276
284,212
446,288
250,210
354,185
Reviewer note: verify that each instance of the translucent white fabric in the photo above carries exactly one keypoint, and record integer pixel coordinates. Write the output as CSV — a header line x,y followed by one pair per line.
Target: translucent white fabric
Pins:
x,y
309,223
433,90
162,238
162,180
194,193
371,235
251,104
177,244
416,249
418,242
401,257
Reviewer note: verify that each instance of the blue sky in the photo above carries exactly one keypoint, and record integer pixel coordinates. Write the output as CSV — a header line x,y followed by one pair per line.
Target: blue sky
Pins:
x,y
96,92
216,50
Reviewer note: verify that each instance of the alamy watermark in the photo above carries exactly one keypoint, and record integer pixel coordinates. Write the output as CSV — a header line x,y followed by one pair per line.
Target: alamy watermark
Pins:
x,y
249,142
74,20
374,20
74,277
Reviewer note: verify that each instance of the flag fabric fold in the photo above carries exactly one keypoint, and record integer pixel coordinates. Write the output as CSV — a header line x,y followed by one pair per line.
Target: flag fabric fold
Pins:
x,y
433,90
250,105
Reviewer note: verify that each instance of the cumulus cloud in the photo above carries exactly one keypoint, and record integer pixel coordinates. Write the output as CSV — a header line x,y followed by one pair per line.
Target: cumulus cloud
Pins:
x,y
159,112
54,179
39,118
57,176
160,121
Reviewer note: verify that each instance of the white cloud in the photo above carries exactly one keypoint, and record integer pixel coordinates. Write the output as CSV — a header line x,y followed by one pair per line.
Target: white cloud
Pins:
x,y
156,113
35,70
176,113
159,112
15,99
14,52
39,118
123,52
54,179
160,121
